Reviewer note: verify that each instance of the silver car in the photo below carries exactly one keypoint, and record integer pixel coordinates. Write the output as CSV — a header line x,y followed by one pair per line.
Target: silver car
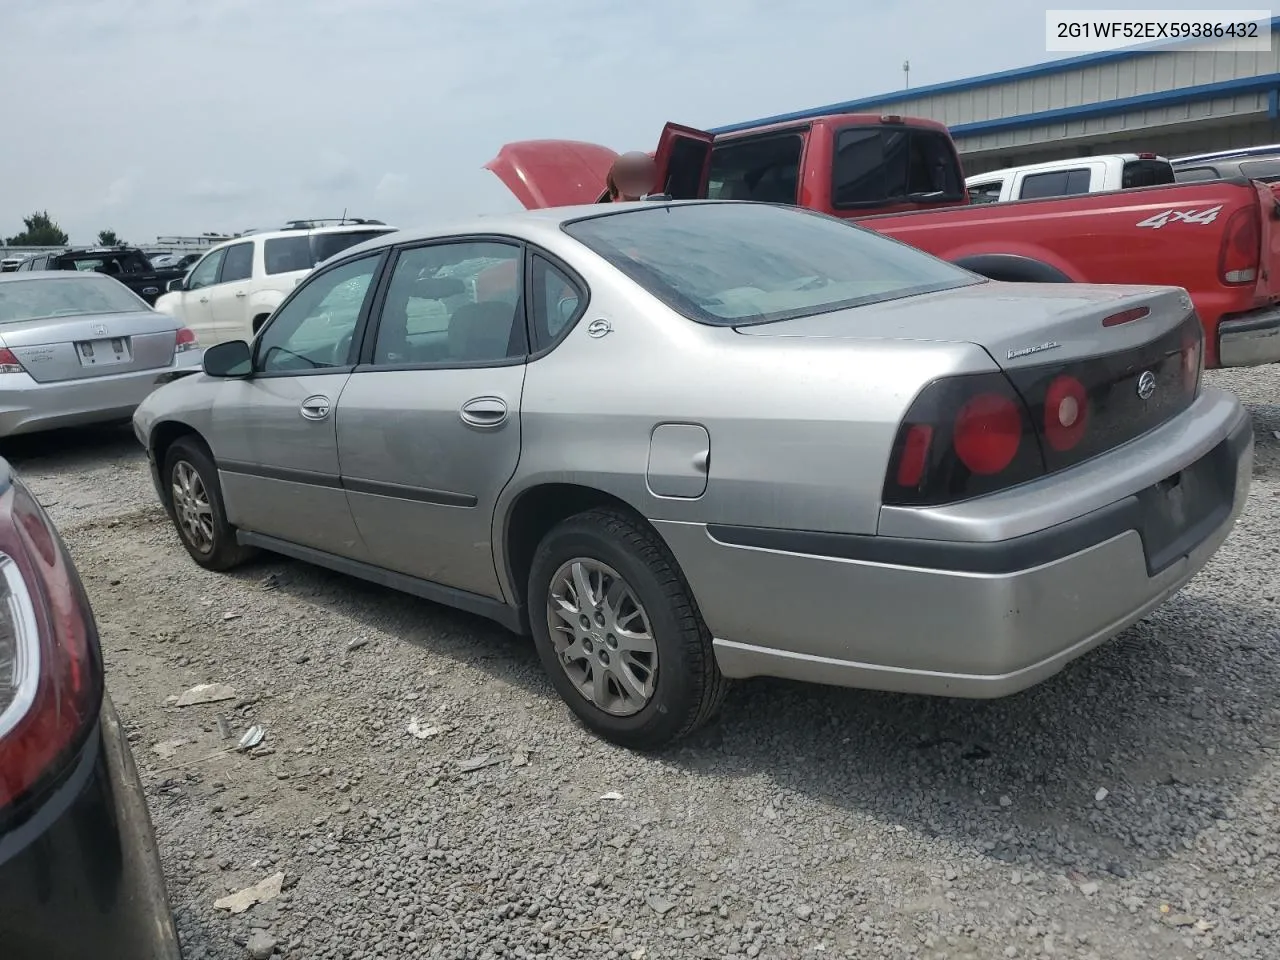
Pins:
x,y
685,442
81,348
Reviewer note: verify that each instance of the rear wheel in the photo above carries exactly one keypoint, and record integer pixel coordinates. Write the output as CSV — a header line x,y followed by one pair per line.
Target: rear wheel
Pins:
x,y
619,633
196,501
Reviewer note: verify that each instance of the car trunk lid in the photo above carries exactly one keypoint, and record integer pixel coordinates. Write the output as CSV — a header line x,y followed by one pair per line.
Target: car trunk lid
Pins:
x,y
81,347
1122,359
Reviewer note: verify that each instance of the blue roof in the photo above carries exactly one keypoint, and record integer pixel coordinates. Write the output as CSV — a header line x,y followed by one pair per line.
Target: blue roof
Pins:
x,y
873,104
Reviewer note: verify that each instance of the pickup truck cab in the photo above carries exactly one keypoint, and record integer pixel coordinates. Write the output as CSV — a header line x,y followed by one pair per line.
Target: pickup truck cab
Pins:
x,y
129,265
1065,178
233,288
901,176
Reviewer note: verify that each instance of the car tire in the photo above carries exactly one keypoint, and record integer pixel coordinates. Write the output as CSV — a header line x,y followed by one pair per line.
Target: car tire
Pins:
x,y
679,685
201,522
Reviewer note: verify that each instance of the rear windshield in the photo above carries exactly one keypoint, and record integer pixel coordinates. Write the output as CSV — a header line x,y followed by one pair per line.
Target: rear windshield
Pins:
x,y
130,262
880,165
39,298
735,263
1146,173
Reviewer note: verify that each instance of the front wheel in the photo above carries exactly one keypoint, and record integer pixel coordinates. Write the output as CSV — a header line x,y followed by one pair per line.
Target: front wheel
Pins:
x,y
619,633
195,499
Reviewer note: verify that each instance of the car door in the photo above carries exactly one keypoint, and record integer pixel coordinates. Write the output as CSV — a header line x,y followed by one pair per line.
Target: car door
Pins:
x,y
196,312
429,424
273,431
229,297
683,159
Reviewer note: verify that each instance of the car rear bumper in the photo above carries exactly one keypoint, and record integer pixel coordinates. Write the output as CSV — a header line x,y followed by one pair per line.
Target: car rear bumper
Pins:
x,y
81,878
1249,340
27,406
967,618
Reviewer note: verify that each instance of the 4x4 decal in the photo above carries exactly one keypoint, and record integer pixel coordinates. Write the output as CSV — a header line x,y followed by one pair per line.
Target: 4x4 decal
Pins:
x,y
1181,216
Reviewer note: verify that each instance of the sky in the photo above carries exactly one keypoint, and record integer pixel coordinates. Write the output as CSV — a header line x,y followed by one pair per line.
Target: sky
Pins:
x,y
164,117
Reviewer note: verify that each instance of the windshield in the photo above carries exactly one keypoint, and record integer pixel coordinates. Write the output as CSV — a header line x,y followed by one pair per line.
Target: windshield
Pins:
x,y
730,263
42,297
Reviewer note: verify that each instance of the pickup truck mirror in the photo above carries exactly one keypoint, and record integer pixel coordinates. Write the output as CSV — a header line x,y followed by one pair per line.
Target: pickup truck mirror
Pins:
x,y
232,358
176,284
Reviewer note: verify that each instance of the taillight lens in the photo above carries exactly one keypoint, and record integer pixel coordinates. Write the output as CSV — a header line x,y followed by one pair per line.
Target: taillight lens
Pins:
x,y
1066,412
1240,253
50,662
8,362
963,436
185,340
1193,359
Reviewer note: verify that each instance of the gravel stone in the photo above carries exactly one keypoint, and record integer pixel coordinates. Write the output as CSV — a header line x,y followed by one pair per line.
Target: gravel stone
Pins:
x,y
808,822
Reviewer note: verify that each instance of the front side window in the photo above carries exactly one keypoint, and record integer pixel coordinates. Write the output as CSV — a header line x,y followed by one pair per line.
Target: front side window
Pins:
x,y
731,264
889,163
1057,183
1268,171
238,263
765,169
206,272
39,298
315,328
450,303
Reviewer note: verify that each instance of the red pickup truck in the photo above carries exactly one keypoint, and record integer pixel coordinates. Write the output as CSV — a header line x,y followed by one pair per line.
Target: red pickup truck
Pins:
x,y
901,176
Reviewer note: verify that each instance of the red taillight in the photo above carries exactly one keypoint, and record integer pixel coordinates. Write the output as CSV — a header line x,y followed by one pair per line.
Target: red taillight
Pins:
x,y
51,682
1239,256
915,454
8,362
1192,359
1066,412
185,340
1126,316
987,433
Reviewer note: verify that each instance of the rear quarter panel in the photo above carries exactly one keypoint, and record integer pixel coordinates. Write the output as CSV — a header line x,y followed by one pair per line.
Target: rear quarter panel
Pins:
x,y
1100,238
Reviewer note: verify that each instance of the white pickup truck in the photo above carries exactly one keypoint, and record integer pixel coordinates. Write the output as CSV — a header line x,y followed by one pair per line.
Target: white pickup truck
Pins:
x,y
1061,178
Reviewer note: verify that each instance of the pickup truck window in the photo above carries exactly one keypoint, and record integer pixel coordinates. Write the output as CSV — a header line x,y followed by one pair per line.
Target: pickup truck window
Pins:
x,y
1265,170
238,263
729,264
986,192
877,165
1056,183
765,169
1146,173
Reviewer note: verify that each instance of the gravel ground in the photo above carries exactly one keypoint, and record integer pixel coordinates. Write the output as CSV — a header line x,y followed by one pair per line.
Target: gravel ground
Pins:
x,y
1125,808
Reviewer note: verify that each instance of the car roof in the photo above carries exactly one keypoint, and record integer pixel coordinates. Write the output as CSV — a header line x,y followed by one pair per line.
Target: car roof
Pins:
x,y
55,275
525,223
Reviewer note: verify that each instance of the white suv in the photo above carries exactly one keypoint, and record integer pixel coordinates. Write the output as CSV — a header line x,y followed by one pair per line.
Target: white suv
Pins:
x,y
234,287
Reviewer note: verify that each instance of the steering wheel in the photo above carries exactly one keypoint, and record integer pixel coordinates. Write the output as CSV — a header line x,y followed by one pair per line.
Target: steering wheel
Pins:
x,y
340,351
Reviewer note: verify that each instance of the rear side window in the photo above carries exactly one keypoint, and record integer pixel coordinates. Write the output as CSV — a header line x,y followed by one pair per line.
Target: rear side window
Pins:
x,y
986,192
1057,183
287,254
238,263
1146,173
884,164
326,245
766,169
1264,170
1192,174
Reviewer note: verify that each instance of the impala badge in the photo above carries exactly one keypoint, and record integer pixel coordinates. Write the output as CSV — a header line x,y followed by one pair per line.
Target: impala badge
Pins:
x,y
99,329
598,328
1027,351
1146,384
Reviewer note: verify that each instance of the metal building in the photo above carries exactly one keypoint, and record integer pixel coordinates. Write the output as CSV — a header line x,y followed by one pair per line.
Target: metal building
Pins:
x,y
1171,102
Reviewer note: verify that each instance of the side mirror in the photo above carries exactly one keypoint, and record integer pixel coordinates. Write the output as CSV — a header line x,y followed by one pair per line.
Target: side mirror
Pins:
x,y
233,358
175,285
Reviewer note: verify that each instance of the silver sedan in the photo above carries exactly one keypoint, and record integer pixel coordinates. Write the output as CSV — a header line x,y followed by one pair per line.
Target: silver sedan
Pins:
x,y
680,443
81,348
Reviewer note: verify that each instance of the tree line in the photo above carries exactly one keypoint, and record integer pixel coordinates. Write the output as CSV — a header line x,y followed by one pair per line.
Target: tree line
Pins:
x,y
43,231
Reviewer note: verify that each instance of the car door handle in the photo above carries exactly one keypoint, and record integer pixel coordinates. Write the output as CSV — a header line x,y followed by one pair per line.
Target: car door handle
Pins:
x,y
315,408
241,293
484,412
204,299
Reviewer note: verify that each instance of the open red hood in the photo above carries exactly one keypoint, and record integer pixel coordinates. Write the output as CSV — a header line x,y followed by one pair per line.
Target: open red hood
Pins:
x,y
553,173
